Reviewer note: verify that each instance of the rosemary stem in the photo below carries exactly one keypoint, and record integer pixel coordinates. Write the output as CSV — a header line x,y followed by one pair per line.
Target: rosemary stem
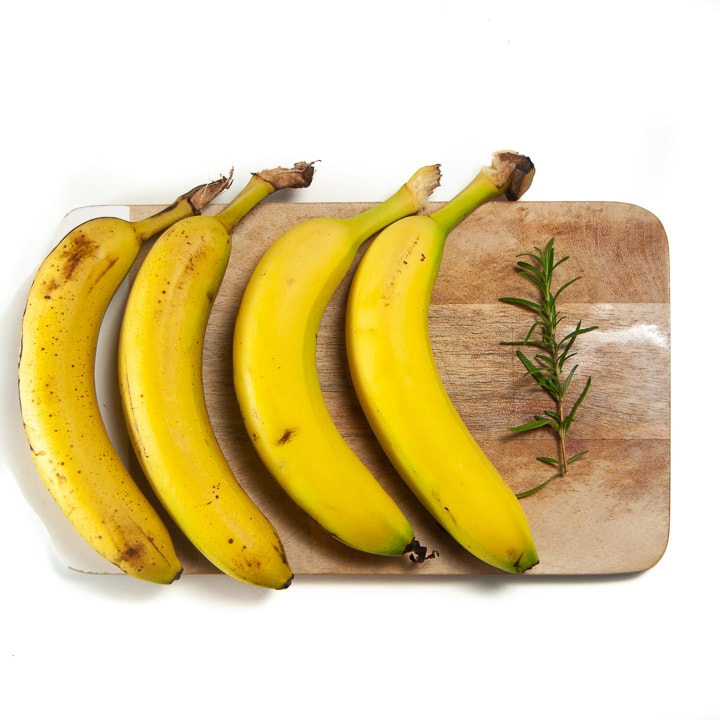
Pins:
x,y
560,406
561,436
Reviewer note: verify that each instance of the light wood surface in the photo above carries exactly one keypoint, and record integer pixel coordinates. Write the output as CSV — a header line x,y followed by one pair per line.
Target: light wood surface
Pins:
x,y
611,513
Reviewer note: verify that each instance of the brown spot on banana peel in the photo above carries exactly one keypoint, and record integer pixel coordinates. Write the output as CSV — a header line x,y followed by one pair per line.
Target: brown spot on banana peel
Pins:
x,y
287,436
132,552
75,253
108,267
51,285
72,257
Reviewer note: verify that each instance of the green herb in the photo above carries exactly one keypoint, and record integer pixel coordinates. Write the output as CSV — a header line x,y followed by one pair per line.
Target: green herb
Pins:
x,y
547,366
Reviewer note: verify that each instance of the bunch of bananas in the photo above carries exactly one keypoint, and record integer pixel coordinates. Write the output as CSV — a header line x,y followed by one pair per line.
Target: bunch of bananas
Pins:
x,y
275,379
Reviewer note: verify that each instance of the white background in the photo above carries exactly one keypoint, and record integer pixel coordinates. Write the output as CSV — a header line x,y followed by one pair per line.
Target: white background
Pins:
x,y
134,102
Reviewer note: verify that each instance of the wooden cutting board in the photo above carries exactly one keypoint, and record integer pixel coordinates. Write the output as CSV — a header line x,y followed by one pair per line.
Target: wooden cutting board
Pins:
x,y
611,513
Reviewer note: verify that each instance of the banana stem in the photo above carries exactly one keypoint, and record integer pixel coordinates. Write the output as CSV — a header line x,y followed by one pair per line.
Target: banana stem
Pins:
x,y
510,175
191,203
409,199
261,185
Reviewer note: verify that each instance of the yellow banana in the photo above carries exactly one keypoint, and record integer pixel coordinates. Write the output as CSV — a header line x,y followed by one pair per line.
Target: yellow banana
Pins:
x,y
276,378
401,391
68,439
161,386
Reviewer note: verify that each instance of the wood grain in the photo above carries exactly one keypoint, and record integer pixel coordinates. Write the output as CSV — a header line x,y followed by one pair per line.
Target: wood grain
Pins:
x,y
611,514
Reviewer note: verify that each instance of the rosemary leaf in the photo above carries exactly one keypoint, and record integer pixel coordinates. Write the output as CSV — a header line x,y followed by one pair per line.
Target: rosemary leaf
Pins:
x,y
533,425
532,491
548,461
578,402
576,456
563,287
523,303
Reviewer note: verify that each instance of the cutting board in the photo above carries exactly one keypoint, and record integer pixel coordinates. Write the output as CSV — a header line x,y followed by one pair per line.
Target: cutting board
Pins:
x,y
610,514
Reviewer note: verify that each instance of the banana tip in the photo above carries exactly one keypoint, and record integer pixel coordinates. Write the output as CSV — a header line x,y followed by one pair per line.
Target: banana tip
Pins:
x,y
512,169
418,553
300,175
203,195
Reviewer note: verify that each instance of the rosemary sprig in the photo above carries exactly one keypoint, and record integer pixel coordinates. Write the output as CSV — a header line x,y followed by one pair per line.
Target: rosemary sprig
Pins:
x,y
547,366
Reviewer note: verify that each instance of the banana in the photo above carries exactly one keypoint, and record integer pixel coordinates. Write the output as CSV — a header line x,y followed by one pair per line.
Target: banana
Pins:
x,y
163,400
277,384
400,389
56,381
